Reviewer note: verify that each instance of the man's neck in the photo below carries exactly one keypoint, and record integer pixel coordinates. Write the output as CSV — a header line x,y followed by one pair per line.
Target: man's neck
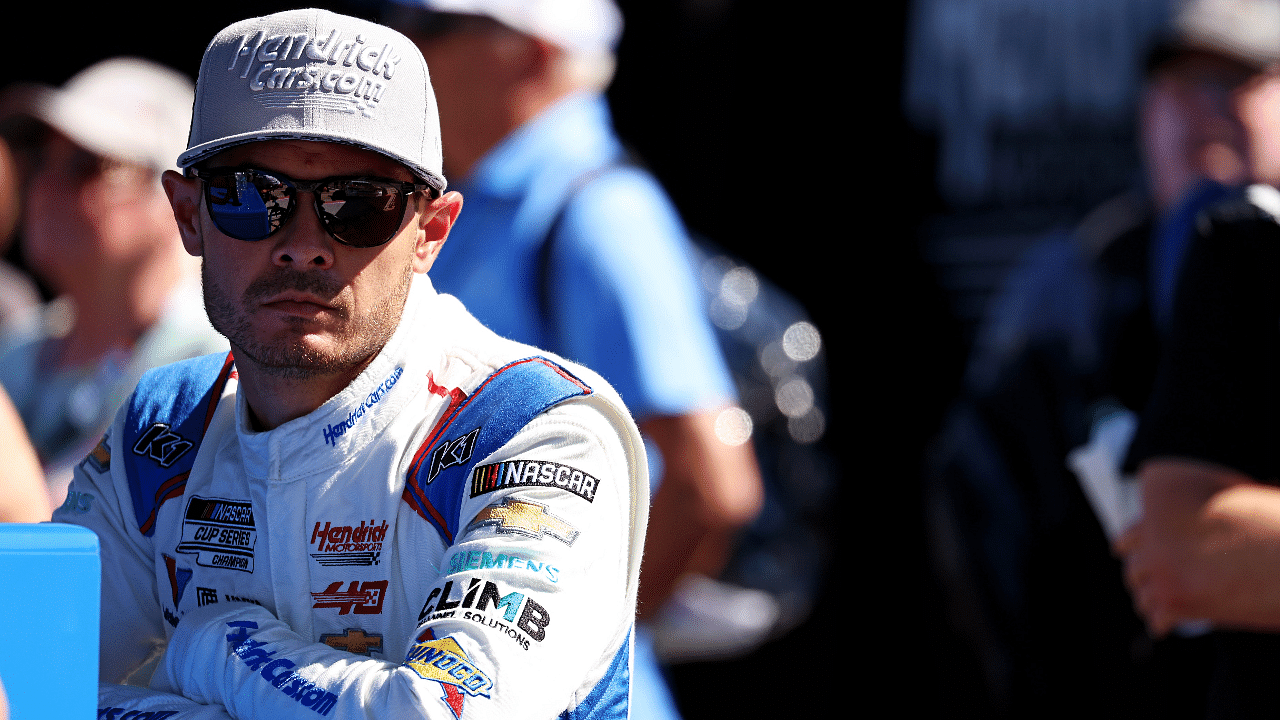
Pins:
x,y
275,399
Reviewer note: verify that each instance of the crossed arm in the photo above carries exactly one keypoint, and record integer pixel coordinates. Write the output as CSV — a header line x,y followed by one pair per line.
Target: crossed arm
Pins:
x,y
1207,547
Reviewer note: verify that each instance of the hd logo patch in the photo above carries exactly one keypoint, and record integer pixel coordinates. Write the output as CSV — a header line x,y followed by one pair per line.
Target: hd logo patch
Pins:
x,y
220,533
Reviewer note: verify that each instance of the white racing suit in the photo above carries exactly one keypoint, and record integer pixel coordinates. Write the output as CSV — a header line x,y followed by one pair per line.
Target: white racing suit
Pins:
x,y
457,534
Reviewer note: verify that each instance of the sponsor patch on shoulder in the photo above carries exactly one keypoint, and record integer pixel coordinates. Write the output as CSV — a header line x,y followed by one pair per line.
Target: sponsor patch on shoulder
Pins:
x,y
531,473
451,454
447,663
162,445
99,458
524,518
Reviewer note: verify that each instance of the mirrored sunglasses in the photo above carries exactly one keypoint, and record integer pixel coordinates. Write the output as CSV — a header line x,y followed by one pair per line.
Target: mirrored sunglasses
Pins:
x,y
252,204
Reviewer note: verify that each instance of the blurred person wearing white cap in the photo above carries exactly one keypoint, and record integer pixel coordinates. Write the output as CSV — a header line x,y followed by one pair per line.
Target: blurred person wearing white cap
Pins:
x,y
97,230
373,506
567,244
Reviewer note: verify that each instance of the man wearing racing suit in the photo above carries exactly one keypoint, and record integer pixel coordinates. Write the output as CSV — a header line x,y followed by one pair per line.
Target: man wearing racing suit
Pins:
x,y
373,506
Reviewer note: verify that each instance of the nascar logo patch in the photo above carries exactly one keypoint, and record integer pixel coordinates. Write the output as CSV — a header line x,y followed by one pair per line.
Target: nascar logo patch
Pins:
x,y
526,473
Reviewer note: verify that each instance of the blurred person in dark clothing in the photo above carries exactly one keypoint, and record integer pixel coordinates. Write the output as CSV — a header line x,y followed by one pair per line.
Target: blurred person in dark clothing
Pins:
x,y
1206,453
1064,362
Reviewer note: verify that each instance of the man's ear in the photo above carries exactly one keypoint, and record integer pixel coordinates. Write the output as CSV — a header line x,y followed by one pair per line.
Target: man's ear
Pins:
x,y
434,222
184,198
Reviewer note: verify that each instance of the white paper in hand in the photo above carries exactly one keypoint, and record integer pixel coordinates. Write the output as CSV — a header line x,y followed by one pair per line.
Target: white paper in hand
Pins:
x,y
1115,498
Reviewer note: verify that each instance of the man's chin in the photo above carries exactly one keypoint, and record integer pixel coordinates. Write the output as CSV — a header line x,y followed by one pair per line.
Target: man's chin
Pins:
x,y
299,359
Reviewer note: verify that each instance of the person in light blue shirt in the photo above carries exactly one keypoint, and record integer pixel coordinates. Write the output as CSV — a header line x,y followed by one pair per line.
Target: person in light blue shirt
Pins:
x,y
568,244
612,286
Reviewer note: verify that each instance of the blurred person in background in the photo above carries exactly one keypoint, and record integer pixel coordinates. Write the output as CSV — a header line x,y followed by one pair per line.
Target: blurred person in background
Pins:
x,y
22,492
1204,552
20,298
97,231
1064,363
568,245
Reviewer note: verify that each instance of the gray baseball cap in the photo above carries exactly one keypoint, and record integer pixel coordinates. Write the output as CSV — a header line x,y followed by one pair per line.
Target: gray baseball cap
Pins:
x,y
316,75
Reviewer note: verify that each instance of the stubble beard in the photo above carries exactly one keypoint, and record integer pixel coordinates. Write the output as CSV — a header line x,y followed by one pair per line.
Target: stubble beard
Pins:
x,y
291,355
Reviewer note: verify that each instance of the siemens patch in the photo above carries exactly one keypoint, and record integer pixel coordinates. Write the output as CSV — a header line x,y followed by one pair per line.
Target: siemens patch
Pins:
x,y
220,533
484,560
524,473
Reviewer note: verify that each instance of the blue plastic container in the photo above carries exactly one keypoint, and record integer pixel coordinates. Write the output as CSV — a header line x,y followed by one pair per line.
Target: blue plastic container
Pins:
x,y
53,575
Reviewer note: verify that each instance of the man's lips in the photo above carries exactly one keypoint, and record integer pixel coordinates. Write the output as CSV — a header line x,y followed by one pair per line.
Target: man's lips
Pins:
x,y
302,306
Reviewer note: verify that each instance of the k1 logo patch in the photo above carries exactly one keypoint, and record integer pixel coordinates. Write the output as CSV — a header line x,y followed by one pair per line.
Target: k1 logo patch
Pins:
x,y
162,445
452,453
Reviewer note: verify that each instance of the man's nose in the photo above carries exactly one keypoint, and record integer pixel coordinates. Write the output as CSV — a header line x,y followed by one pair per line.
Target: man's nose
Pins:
x,y
304,243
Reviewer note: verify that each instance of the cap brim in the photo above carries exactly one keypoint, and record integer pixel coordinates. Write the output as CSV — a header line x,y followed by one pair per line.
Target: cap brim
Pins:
x,y
207,150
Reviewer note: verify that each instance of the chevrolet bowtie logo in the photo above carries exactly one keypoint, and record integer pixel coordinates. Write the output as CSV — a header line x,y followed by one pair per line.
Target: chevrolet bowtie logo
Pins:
x,y
525,518
353,640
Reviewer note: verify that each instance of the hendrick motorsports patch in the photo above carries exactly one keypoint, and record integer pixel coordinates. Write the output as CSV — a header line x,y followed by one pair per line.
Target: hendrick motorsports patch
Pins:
x,y
525,473
220,533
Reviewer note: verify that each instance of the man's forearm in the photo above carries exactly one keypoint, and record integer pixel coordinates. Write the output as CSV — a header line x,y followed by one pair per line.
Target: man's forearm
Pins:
x,y
1208,547
709,491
